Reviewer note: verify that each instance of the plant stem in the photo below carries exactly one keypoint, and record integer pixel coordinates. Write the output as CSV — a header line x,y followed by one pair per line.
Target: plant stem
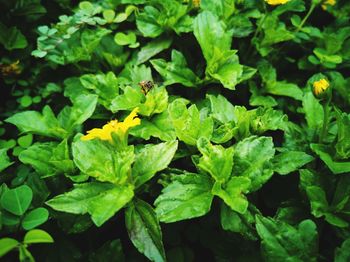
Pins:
x,y
324,130
305,18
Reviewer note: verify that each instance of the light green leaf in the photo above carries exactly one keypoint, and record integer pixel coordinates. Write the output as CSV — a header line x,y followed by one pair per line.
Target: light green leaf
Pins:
x,y
102,161
252,160
11,38
35,218
188,124
153,48
100,200
159,155
44,124
125,39
37,236
147,22
289,161
17,200
6,245
144,230
313,111
187,196
175,71
221,109
232,193
4,159
216,160
342,253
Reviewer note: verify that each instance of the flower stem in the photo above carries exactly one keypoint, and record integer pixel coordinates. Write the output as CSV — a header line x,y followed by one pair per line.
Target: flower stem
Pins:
x,y
312,8
324,130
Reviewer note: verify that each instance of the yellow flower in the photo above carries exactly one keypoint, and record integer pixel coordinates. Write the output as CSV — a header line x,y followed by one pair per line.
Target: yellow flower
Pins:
x,y
328,2
320,86
276,2
105,133
11,69
196,3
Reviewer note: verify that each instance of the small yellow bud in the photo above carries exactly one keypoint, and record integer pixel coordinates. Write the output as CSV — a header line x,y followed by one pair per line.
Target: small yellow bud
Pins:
x,y
328,3
320,87
276,2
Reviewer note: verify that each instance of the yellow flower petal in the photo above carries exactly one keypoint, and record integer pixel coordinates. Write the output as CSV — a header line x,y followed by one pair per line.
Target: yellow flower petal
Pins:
x,y
276,2
320,86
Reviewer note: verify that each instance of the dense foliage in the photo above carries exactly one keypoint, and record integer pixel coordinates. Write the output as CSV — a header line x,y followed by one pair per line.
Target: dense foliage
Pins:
x,y
175,130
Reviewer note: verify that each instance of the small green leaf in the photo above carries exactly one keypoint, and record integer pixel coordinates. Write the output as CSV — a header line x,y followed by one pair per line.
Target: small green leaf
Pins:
x,y
6,245
25,141
17,200
144,230
289,161
35,218
109,15
4,159
125,39
342,253
37,236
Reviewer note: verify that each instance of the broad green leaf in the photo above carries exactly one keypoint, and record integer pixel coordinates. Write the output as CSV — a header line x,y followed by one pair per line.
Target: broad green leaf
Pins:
x,y
188,124
313,111
324,153
11,38
222,8
152,48
187,196
38,156
216,160
25,141
100,200
144,230
6,245
342,146
232,193
131,98
99,159
61,159
83,107
267,119
221,109
289,161
45,124
211,34
37,236
238,223
156,102
342,253
175,71
147,22
283,242
4,159
159,155
252,160
35,218
17,200
159,126
106,86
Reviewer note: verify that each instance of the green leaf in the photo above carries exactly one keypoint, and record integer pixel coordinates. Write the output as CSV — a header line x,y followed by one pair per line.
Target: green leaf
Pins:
x,y
144,230
159,155
44,124
25,141
4,159
232,193
342,254
37,236
313,111
188,124
221,109
216,160
102,161
125,39
211,34
160,126
281,240
238,223
252,160
38,156
153,48
35,218
147,22
343,143
17,200
186,196
100,200
175,71
6,245
11,38
324,153
83,107
289,161
109,249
